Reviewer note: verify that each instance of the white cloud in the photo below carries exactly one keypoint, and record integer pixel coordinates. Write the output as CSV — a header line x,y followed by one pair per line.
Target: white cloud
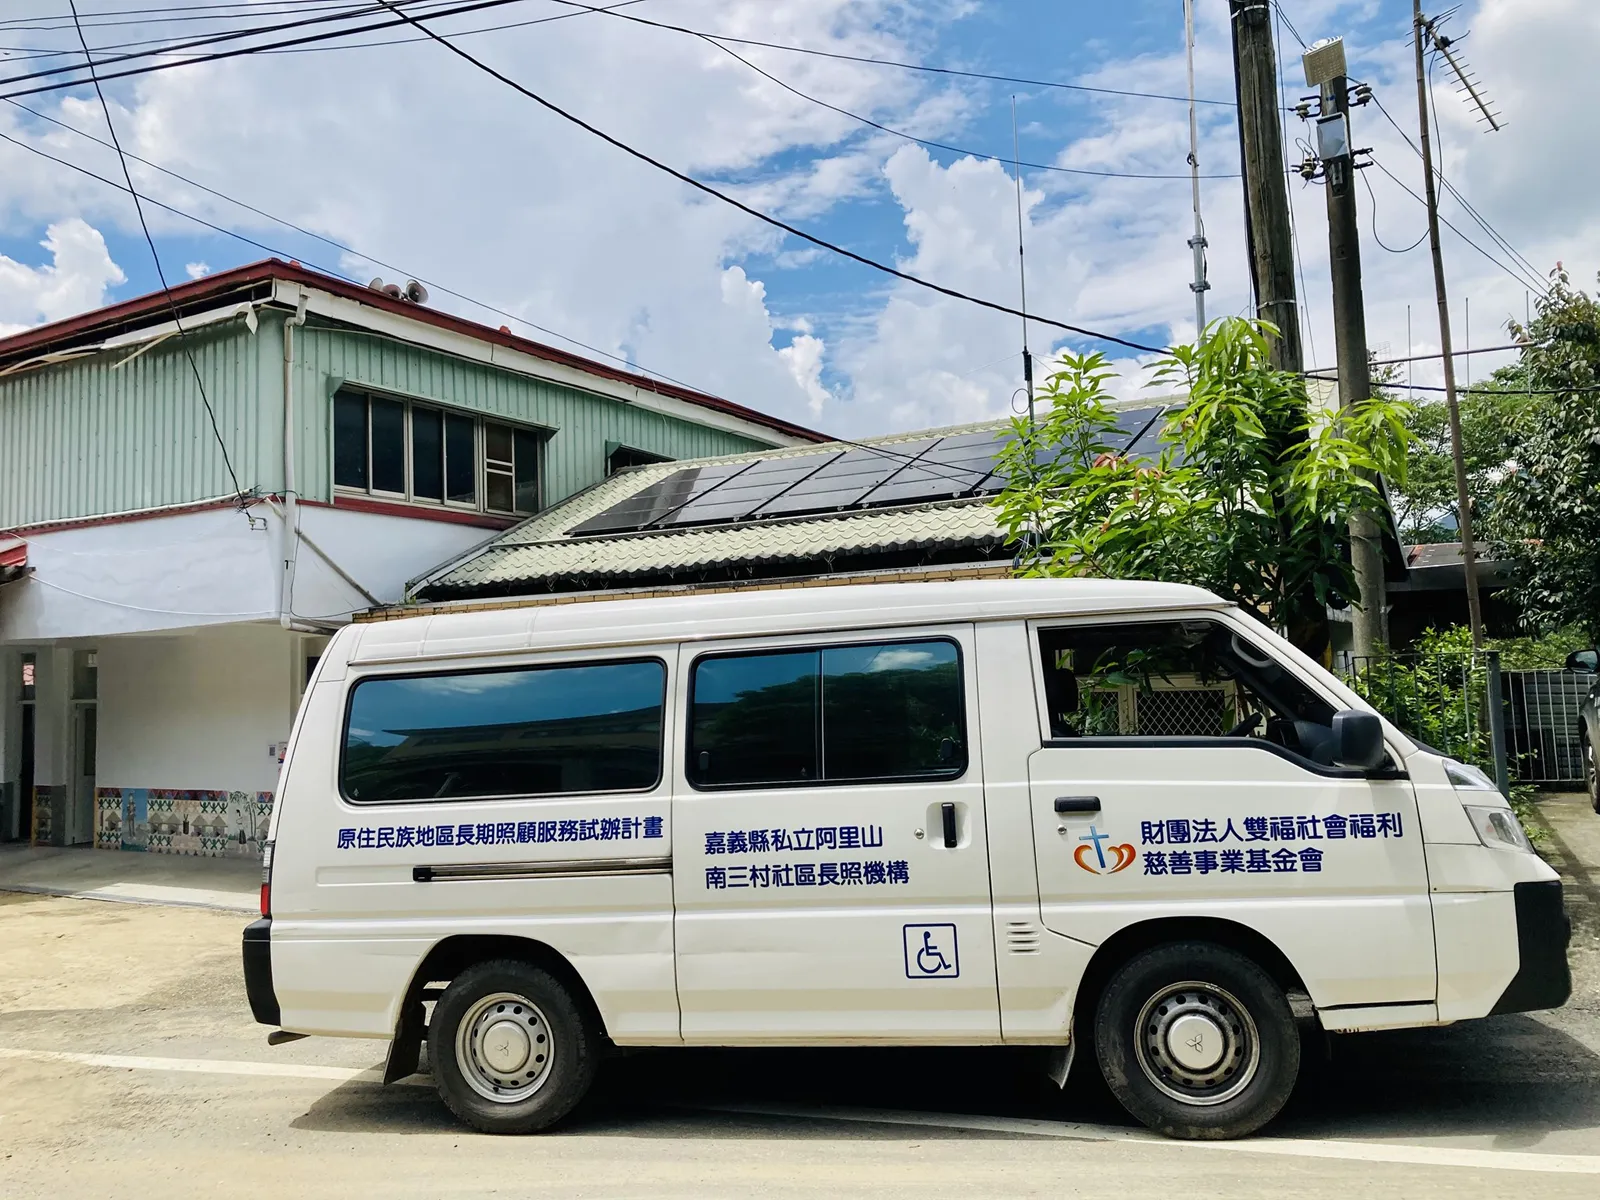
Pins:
x,y
197,270
75,280
411,156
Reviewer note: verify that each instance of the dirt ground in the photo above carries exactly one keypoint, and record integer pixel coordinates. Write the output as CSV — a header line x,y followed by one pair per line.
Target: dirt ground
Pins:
x,y
130,1067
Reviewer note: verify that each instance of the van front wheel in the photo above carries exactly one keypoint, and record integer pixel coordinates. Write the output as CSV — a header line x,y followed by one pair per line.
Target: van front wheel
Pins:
x,y
511,1051
1197,1041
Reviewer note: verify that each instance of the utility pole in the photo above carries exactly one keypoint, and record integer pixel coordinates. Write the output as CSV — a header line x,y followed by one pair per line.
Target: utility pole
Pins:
x,y
1325,69
1198,242
1422,31
1266,188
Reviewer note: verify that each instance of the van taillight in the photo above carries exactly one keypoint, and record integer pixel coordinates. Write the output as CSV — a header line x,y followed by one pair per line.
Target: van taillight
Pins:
x,y
266,879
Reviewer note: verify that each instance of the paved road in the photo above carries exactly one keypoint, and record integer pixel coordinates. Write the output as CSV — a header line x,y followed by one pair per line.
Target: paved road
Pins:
x,y
129,1067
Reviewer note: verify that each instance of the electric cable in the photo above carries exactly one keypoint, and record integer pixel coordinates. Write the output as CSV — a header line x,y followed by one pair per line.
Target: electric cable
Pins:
x,y
844,112
167,46
208,40
161,274
758,214
327,270
1376,236
1521,279
1518,258
107,76
1294,225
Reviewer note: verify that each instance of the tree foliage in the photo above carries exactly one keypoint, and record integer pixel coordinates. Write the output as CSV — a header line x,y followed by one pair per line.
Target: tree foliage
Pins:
x,y
1544,513
1249,497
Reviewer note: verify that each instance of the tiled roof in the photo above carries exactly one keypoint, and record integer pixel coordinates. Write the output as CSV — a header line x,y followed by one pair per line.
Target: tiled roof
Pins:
x,y
541,551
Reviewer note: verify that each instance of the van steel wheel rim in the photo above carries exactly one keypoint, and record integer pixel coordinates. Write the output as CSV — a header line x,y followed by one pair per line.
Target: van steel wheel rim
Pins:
x,y
1197,1043
504,1048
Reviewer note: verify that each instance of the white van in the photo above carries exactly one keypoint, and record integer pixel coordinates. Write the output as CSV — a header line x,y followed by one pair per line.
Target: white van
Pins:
x,y
1006,812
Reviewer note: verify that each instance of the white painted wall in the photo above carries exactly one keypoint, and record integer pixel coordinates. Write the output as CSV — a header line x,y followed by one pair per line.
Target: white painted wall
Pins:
x,y
166,572
196,710
379,552
212,568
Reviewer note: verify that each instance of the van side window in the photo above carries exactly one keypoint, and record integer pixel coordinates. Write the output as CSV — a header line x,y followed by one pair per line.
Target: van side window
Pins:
x,y
876,712
543,731
1184,679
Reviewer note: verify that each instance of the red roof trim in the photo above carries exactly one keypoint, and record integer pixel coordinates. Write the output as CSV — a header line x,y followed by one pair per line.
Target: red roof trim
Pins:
x,y
416,512
154,305
14,556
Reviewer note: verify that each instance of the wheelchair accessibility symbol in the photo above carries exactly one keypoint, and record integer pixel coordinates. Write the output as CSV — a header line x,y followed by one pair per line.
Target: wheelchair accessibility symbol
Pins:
x,y
931,952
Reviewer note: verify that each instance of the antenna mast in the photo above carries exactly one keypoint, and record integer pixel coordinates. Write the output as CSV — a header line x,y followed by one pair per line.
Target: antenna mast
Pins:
x,y
1022,266
1198,242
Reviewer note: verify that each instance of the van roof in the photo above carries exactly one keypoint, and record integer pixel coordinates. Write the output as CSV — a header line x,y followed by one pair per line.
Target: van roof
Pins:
x,y
701,616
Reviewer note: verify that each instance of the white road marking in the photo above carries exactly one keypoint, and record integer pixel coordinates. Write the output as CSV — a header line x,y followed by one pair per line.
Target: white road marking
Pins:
x,y
1334,1148
203,1066
1377,1152
148,893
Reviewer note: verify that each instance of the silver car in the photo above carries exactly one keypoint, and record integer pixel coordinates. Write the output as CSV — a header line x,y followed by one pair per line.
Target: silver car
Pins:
x,y
1589,721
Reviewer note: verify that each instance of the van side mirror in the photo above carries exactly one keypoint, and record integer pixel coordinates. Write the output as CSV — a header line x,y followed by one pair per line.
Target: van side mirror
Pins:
x,y
1358,740
1584,660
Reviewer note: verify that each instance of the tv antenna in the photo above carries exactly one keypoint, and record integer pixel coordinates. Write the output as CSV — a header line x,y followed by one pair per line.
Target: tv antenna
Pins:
x,y
1022,266
1468,84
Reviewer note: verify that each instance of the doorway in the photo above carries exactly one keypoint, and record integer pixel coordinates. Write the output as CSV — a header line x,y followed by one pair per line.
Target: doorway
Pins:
x,y
85,737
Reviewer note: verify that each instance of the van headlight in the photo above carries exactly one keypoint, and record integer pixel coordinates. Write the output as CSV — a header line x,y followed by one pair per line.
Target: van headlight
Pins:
x,y
1496,825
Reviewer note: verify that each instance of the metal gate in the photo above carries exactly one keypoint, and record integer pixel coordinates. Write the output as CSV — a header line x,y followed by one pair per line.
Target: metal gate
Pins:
x,y
1441,700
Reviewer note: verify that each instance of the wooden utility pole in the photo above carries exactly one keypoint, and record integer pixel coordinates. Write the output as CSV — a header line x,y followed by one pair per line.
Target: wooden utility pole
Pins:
x,y
1266,189
1337,152
1422,30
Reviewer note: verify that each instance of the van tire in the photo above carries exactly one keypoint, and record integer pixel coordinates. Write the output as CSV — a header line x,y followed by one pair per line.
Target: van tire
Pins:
x,y
510,1028
1237,1073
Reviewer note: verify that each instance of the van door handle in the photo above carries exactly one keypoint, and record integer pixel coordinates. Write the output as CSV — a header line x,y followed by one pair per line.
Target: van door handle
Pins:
x,y
947,810
1077,804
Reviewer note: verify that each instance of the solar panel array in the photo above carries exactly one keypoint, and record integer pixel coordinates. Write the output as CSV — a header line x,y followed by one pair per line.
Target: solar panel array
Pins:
x,y
859,477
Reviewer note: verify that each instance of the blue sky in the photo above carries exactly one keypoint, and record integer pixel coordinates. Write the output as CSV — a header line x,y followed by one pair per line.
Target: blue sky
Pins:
x,y
410,156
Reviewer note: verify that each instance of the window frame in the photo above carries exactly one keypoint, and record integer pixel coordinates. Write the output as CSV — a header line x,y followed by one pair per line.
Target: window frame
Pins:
x,y
480,455
629,660
948,775
1186,741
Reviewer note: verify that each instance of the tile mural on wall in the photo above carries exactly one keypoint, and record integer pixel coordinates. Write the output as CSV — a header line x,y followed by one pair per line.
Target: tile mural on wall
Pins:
x,y
43,813
191,821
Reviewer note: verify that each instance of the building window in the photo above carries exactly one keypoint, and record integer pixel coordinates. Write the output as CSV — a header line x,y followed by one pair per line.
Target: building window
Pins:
x,y
396,449
620,458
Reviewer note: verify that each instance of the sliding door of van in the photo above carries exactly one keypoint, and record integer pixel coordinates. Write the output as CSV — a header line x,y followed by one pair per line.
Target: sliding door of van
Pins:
x,y
1183,771
831,867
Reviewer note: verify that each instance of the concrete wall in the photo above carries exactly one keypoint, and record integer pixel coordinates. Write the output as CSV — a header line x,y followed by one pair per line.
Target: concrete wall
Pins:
x,y
195,711
190,726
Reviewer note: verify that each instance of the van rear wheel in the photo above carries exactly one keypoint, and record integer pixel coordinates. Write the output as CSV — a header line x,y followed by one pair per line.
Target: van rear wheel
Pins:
x,y
512,1051
1197,1041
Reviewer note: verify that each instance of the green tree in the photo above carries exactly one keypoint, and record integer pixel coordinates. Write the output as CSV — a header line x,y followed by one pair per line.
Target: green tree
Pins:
x,y
1545,512
1250,496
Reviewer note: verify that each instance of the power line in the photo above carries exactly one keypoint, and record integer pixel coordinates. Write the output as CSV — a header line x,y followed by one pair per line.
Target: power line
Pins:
x,y
169,46
183,338
276,252
764,217
106,76
1378,237
854,116
192,13
208,40
1508,270
1482,222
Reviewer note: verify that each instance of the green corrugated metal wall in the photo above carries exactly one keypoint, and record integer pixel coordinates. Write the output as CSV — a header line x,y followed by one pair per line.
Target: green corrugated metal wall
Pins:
x,y
112,434
115,434
581,424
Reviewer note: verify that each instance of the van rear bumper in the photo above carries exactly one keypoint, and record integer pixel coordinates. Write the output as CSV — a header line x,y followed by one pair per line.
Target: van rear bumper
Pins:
x,y
258,972
1543,978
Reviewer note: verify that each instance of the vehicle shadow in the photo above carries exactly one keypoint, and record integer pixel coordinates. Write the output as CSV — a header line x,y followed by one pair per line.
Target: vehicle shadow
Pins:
x,y
1516,1078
